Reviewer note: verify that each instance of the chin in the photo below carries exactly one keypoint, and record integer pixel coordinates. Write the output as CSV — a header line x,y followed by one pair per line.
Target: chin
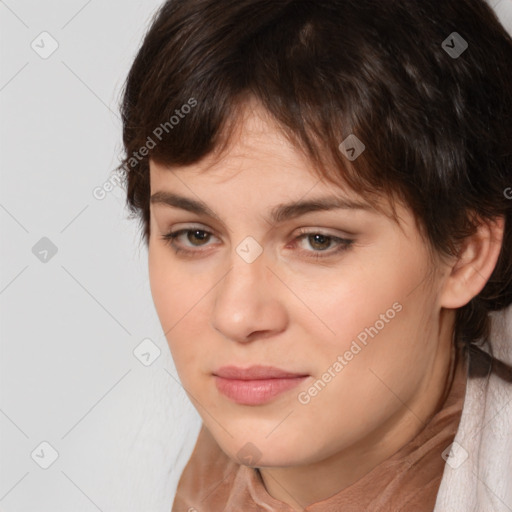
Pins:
x,y
258,450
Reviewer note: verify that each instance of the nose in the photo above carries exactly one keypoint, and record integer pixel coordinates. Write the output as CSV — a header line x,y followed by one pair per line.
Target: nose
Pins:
x,y
248,301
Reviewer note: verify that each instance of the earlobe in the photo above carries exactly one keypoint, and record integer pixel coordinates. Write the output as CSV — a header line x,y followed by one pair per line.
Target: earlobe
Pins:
x,y
475,264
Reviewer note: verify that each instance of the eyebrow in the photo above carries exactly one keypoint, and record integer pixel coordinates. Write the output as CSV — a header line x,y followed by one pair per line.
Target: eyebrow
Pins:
x,y
280,213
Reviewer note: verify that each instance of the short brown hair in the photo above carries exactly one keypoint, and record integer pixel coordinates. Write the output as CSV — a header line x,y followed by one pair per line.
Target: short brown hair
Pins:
x,y
436,124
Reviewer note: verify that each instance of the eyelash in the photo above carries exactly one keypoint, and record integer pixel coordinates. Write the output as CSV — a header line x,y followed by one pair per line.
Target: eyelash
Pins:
x,y
344,243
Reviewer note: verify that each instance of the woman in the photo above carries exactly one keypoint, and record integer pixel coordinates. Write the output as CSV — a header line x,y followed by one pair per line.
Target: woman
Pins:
x,y
324,189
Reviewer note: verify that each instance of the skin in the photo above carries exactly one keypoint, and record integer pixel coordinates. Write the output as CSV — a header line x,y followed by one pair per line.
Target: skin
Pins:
x,y
289,310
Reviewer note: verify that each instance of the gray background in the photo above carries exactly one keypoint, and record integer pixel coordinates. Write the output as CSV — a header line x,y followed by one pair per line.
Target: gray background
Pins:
x,y
70,321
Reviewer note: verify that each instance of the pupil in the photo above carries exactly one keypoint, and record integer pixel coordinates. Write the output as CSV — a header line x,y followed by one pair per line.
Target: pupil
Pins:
x,y
195,234
321,237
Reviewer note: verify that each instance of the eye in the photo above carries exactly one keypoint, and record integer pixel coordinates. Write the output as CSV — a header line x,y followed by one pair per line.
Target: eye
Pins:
x,y
194,235
320,242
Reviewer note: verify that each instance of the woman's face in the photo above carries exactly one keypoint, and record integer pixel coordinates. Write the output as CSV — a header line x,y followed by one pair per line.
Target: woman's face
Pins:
x,y
358,320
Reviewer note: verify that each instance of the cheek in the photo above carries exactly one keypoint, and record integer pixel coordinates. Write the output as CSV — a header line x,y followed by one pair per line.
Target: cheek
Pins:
x,y
178,302
380,351
163,283
371,319
356,384
174,292
348,307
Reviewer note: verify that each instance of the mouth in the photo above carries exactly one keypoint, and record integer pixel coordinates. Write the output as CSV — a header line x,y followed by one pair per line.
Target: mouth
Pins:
x,y
255,385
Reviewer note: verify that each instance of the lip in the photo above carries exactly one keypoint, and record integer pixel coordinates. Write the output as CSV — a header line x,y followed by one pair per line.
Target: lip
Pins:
x,y
255,385
255,372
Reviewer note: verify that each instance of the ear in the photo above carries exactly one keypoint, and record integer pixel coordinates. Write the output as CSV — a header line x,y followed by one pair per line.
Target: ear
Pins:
x,y
473,267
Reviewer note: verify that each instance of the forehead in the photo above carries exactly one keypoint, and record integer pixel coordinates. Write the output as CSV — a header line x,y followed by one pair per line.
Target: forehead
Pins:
x,y
254,142
257,158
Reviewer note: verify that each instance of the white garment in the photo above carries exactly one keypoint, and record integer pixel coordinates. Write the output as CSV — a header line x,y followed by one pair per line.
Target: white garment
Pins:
x,y
482,482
